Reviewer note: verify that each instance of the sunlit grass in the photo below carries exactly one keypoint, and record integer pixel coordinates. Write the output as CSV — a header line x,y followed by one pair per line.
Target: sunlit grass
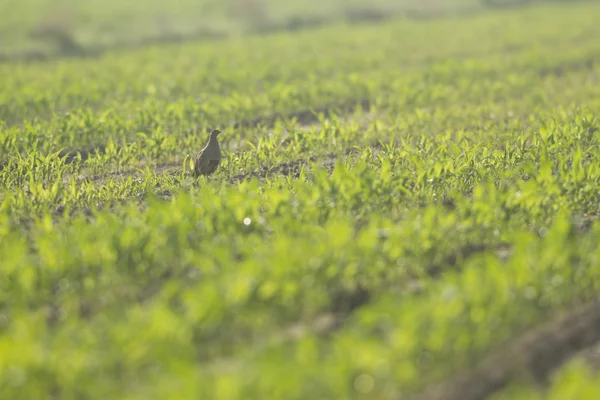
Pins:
x,y
444,201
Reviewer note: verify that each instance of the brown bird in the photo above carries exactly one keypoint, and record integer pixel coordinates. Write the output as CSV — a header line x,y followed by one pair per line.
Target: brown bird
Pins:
x,y
210,156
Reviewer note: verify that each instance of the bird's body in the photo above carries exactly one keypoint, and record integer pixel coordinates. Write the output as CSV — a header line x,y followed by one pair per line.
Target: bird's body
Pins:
x,y
210,156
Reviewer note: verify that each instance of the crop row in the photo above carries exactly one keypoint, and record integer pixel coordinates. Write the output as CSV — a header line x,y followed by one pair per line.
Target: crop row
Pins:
x,y
576,380
183,88
491,109
38,29
37,182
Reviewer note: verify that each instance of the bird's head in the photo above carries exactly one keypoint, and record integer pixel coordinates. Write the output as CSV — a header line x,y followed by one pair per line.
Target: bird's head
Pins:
x,y
214,133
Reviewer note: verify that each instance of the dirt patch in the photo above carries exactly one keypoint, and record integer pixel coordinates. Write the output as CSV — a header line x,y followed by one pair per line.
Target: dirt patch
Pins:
x,y
592,356
571,66
304,116
454,259
84,154
344,302
289,168
536,353
583,223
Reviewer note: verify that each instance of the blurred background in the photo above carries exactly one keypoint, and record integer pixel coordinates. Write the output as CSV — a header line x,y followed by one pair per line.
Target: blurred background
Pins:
x,y
46,28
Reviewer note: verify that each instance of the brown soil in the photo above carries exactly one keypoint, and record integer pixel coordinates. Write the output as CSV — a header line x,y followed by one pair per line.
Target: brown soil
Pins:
x,y
570,66
344,302
289,168
592,356
536,353
305,116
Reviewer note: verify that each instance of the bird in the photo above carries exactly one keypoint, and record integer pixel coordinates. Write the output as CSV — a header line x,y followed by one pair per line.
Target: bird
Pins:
x,y
210,156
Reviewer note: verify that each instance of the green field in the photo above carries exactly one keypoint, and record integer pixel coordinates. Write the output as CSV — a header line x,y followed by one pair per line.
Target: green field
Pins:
x,y
43,28
406,208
